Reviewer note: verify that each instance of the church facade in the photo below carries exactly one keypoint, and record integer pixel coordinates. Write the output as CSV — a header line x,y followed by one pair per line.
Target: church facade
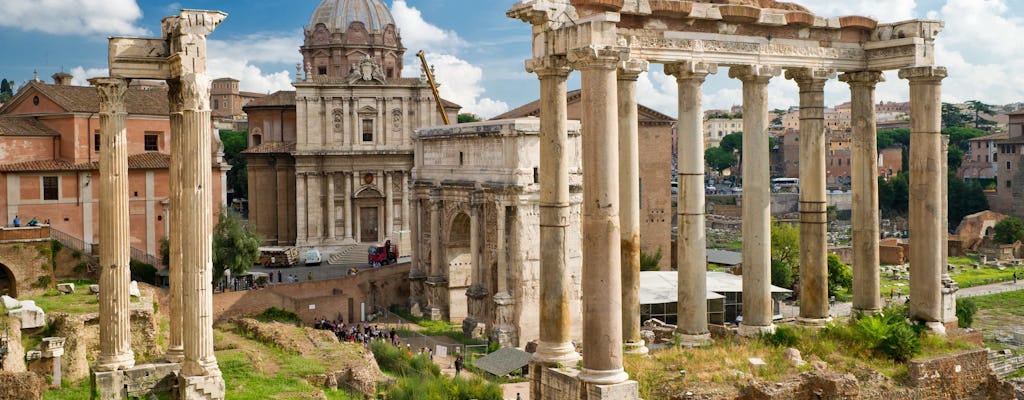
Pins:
x,y
330,163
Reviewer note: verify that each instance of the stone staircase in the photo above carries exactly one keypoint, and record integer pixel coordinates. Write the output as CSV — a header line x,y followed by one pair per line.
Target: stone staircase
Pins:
x,y
350,255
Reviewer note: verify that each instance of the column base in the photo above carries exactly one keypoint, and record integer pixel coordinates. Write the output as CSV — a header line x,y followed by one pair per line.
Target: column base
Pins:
x,y
813,322
175,355
628,390
603,377
434,313
637,347
687,340
867,311
207,387
115,362
937,328
754,330
561,354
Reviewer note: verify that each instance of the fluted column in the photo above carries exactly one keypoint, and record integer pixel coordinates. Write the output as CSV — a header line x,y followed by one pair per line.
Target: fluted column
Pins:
x,y
348,205
300,208
691,253
331,217
926,225
629,198
405,201
602,262
555,345
436,279
115,232
866,291
175,348
389,205
813,199
474,240
757,299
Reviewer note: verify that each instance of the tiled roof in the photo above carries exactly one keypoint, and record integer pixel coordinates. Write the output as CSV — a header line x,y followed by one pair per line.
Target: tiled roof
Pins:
x,y
532,109
994,136
85,99
279,98
271,148
135,161
15,126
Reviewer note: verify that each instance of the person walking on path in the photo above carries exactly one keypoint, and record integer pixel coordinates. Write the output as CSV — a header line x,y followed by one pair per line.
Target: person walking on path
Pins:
x,y
458,364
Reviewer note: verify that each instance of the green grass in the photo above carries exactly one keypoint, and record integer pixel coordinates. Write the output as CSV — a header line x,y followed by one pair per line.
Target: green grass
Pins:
x,y
429,327
79,391
982,276
1006,302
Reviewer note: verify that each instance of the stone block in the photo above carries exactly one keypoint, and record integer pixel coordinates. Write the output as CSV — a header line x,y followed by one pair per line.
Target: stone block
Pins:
x,y
141,381
133,289
21,386
66,288
628,390
201,387
94,289
31,316
757,363
52,347
10,303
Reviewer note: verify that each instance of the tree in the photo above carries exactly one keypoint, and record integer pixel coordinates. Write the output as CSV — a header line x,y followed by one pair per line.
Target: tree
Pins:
x,y
952,116
785,243
6,90
839,275
954,158
467,117
650,262
979,108
782,275
894,194
732,141
959,137
964,198
234,143
719,159
1009,230
235,247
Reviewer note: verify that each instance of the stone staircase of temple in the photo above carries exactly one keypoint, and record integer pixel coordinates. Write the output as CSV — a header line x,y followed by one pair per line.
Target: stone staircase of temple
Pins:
x,y
349,255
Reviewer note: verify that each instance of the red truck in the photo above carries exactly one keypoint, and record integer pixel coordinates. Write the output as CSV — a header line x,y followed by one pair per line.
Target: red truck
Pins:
x,y
382,255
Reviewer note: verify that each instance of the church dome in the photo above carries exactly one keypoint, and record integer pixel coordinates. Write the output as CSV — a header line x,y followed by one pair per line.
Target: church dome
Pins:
x,y
337,15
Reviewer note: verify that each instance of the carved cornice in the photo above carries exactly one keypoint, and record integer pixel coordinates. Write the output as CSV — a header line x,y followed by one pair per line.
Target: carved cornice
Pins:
x,y
924,74
112,93
754,73
195,92
549,66
595,57
631,69
691,70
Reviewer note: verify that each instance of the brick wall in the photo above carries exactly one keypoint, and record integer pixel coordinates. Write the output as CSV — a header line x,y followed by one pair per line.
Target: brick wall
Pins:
x,y
955,376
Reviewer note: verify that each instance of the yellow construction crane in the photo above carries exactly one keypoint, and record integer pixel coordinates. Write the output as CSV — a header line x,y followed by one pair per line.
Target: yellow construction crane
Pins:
x,y
433,86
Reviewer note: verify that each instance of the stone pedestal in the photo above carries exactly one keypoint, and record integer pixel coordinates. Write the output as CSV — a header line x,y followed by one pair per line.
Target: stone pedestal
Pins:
x,y
757,300
927,228
502,330
813,200
141,381
866,279
629,197
555,345
115,335
691,253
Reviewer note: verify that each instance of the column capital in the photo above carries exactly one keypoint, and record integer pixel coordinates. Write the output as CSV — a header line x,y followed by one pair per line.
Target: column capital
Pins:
x,y
923,74
112,93
814,77
630,70
863,78
691,70
754,73
549,66
595,57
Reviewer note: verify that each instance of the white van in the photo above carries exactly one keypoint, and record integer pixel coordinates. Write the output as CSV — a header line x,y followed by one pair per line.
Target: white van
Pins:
x,y
313,257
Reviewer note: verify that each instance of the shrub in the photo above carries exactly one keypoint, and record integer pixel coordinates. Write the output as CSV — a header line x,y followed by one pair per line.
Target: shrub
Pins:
x,y
143,272
274,314
782,274
783,336
901,344
888,333
397,361
965,309
839,275
650,262
44,281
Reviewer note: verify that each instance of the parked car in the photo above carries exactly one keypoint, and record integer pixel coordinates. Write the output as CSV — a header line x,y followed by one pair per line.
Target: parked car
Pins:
x,y
313,257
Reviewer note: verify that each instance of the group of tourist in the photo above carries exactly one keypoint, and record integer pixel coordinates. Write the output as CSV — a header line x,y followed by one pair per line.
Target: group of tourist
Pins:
x,y
33,222
357,333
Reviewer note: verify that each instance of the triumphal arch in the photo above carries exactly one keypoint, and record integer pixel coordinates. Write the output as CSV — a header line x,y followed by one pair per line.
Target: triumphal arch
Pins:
x,y
190,370
611,42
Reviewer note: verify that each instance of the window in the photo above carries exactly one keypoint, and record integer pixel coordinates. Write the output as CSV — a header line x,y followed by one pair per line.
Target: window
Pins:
x,y
257,140
96,142
216,104
322,70
461,159
1007,183
367,130
1007,165
51,188
995,157
536,175
152,143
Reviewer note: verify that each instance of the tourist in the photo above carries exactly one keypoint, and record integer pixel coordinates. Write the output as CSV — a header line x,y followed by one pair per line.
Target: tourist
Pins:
x,y
279,280
309,276
458,364
33,222
17,221
518,397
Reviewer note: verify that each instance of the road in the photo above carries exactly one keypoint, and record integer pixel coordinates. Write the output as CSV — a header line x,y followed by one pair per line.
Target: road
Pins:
x,y
318,272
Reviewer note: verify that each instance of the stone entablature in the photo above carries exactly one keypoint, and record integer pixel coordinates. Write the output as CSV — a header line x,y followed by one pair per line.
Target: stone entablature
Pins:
x,y
480,180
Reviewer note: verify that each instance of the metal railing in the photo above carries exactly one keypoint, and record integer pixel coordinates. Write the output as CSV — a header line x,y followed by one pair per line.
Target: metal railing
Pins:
x,y
68,240
144,256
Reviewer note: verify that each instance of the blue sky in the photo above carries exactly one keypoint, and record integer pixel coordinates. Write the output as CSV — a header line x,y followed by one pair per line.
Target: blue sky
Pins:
x,y
479,52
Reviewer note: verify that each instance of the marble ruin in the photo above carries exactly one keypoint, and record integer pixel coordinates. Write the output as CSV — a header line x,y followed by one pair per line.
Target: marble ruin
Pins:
x,y
179,58
477,207
609,41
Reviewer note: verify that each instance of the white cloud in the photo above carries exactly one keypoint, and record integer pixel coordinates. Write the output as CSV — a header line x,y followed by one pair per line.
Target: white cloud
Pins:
x,y
461,81
73,17
238,58
889,10
80,75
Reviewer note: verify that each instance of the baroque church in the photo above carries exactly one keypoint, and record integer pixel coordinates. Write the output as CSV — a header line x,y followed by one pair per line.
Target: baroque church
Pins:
x,y
329,163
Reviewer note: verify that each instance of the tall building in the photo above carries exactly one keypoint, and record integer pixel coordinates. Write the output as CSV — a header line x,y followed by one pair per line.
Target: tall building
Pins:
x,y
226,102
1009,156
49,161
329,164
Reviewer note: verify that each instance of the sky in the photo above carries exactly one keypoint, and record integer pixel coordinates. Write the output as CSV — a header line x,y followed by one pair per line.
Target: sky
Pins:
x,y
478,52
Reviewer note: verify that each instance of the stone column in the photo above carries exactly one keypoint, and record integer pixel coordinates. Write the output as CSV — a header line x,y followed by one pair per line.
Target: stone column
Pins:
x,y
348,206
629,198
927,229
474,239
389,206
602,262
331,217
555,345
503,330
691,244
175,348
813,199
405,202
866,291
477,292
115,233
436,281
300,208
757,299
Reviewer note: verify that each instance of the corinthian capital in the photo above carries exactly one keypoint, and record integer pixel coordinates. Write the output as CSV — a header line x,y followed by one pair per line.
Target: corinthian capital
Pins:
x,y
923,74
863,78
631,69
549,65
112,93
756,73
691,70
595,57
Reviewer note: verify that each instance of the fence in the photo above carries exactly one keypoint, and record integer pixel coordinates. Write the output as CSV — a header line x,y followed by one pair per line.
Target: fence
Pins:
x,y
69,241
143,256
